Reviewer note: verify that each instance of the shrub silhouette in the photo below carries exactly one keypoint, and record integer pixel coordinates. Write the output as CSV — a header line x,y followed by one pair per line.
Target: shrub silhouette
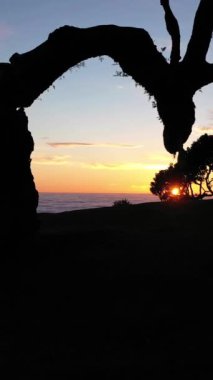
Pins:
x,y
122,203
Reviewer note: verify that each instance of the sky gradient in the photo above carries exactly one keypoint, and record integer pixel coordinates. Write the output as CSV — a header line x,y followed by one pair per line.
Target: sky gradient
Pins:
x,y
94,131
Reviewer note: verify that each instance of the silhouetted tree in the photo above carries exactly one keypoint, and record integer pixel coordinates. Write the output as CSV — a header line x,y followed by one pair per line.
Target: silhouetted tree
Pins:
x,y
166,180
197,165
192,175
172,84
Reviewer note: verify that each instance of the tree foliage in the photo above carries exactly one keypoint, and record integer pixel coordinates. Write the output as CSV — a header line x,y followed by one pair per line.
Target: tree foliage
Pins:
x,y
191,176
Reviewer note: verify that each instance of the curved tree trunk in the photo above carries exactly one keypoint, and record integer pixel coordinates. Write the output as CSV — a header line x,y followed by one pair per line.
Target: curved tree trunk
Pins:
x,y
18,193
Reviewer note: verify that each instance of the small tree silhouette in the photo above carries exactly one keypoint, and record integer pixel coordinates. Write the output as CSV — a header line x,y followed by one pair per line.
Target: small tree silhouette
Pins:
x,y
165,181
191,176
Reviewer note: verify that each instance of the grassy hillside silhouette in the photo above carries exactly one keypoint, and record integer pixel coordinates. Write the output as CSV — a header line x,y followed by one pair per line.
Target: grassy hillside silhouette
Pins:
x,y
110,293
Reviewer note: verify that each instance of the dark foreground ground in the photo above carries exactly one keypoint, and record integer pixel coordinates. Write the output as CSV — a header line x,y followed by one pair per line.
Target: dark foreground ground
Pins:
x,y
111,293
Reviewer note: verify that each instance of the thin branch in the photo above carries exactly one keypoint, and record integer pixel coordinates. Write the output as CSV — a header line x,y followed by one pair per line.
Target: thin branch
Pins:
x,y
191,190
209,180
201,34
174,31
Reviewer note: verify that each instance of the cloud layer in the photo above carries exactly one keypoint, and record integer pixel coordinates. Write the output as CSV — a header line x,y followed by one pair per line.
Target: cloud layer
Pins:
x,y
76,144
207,129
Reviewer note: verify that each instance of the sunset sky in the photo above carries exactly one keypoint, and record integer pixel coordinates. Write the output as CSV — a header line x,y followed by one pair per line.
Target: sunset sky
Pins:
x,y
96,132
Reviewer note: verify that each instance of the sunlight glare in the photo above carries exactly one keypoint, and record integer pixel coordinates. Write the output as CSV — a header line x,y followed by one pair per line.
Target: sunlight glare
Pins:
x,y
175,191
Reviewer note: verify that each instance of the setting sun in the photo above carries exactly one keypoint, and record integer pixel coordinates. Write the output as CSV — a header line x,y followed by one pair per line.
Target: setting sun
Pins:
x,y
175,191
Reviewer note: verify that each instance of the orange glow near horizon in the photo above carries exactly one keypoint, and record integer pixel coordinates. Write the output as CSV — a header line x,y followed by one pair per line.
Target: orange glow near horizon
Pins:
x,y
65,179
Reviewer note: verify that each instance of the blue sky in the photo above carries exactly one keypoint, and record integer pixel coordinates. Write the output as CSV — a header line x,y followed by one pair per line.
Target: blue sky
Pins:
x,y
96,132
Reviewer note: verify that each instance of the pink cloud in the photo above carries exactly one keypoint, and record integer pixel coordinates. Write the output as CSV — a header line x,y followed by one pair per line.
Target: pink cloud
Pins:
x,y
5,31
73,144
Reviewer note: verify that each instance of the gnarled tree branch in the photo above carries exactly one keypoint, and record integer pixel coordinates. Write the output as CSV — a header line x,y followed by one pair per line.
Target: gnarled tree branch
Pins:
x,y
132,48
173,85
174,31
201,34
